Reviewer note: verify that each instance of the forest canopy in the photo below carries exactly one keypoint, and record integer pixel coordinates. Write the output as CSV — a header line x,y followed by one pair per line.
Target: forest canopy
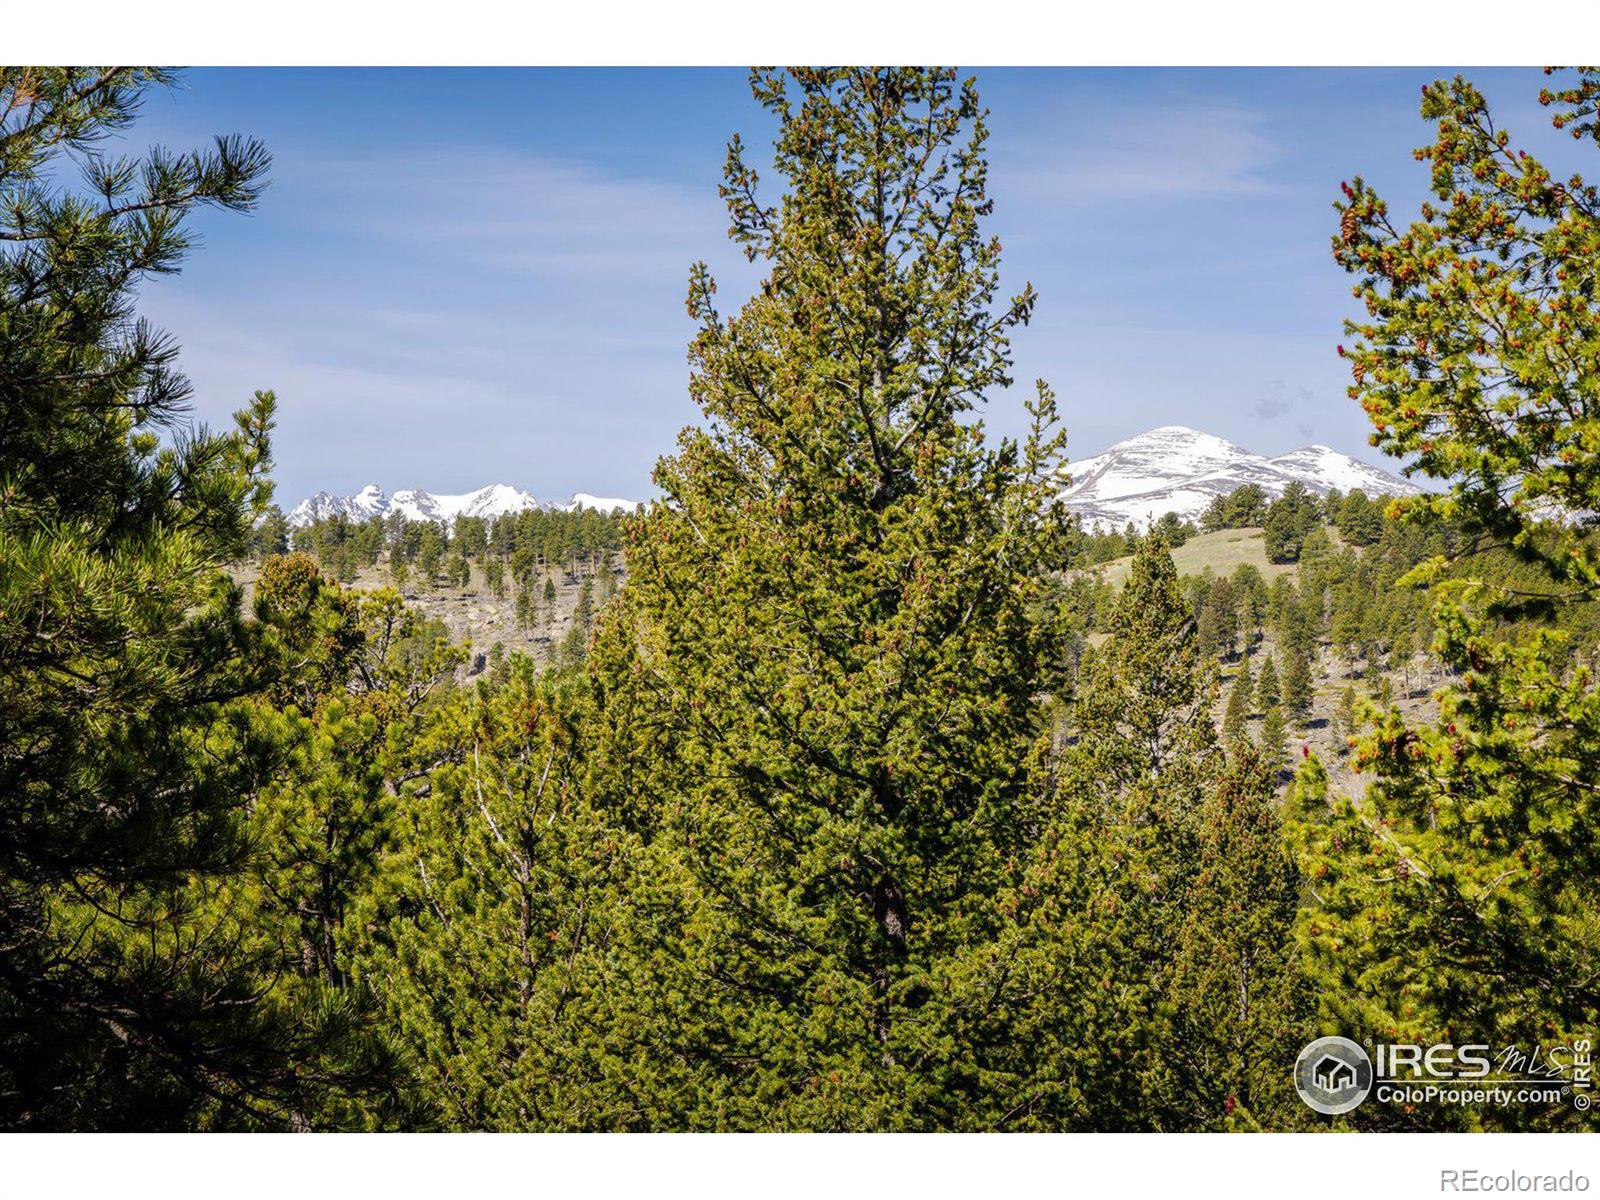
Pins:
x,y
863,793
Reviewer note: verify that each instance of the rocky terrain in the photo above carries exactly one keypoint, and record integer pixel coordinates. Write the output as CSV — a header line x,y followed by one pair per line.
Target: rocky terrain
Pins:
x,y
475,614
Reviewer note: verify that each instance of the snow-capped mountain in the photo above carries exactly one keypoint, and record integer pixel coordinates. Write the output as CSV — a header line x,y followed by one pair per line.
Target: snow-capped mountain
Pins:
x,y
414,504
1180,470
605,504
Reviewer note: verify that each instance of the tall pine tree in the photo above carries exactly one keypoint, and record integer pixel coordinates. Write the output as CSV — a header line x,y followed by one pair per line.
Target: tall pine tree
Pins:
x,y
1241,1005
128,759
820,686
1459,895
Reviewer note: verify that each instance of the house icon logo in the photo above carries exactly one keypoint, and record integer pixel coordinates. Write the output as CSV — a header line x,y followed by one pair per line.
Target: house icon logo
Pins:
x,y
1333,1075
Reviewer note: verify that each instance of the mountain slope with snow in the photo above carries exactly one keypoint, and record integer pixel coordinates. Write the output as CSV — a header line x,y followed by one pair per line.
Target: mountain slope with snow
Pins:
x,y
1180,470
498,499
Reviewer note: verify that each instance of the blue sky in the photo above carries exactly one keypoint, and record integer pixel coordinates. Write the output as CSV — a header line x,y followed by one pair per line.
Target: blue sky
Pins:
x,y
466,276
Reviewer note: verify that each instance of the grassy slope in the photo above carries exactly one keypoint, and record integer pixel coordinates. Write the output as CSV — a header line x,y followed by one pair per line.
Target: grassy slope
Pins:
x,y
1221,552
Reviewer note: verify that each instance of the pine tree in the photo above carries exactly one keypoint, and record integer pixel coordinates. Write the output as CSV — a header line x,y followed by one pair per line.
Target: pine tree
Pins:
x,y
430,553
1360,521
1461,890
1241,698
1268,692
1108,893
473,941
1289,521
575,647
1344,714
1145,701
130,754
1400,656
820,683
1241,1005
1251,592
368,666
1274,740
1297,693
271,534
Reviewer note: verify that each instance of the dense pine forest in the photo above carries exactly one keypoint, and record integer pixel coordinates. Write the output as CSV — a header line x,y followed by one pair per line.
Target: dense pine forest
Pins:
x,y
858,787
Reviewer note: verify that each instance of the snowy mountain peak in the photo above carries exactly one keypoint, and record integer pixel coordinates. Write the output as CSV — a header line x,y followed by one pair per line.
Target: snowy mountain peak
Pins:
x,y
1327,467
1181,470
497,499
1170,433
604,504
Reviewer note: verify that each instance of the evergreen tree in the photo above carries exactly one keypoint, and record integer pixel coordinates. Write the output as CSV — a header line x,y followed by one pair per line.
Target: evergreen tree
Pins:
x,y
1109,892
1400,656
1344,714
1174,530
1241,1005
1297,686
1274,740
819,686
1240,701
368,666
1243,508
271,535
1460,892
129,756
1359,519
1289,520
1220,614
1268,692
1145,698
430,553
575,647
1251,592
473,940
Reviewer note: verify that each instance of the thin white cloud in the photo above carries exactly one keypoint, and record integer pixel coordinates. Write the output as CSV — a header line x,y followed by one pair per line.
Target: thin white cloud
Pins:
x,y
528,214
1174,151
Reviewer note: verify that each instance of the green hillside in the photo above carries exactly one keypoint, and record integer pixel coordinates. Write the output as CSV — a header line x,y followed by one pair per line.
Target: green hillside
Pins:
x,y
1221,551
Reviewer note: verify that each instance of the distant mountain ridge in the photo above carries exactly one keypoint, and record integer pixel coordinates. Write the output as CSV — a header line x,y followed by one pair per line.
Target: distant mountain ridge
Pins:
x,y
1181,470
497,499
1171,469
